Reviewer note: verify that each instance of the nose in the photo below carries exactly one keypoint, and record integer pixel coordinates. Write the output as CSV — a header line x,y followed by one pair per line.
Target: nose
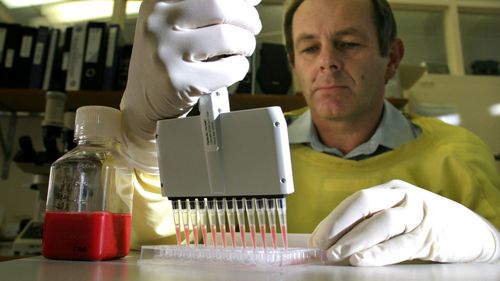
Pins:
x,y
330,59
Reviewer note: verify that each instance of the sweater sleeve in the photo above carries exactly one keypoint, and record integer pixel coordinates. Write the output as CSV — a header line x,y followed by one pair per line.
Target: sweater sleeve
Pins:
x,y
152,219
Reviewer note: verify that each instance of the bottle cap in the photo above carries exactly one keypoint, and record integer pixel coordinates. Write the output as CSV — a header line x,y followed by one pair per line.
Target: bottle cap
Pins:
x,y
99,121
54,109
69,120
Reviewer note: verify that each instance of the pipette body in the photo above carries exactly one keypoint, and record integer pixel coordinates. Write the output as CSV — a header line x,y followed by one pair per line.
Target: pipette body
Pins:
x,y
232,162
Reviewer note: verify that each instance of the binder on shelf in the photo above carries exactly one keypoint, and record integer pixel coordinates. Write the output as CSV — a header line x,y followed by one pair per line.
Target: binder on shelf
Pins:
x,y
123,65
24,59
3,37
273,73
113,45
11,41
59,79
95,56
39,57
75,57
53,63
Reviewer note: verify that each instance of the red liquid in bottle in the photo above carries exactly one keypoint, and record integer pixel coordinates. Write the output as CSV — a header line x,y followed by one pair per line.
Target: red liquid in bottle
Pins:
x,y
86,236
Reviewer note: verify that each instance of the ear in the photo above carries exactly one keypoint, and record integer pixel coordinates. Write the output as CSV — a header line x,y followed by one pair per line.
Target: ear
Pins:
x,y
396,54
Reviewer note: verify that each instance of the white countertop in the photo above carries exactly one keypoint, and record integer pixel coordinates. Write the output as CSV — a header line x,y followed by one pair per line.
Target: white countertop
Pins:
x,y
41,269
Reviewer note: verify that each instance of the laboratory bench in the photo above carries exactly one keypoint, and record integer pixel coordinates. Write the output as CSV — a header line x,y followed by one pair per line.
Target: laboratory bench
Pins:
x,y
128,268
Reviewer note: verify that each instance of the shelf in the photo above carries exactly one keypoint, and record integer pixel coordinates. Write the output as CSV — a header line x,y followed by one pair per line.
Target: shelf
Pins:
x,y
30,100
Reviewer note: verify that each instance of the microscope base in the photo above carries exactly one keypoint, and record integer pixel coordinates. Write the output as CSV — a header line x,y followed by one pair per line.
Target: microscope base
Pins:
x,y
29,241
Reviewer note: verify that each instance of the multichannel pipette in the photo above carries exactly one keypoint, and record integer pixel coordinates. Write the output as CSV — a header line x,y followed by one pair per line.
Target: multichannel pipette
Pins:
x,y
222,169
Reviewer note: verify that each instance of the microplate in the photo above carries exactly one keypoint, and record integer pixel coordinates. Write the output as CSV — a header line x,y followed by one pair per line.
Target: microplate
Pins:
x,y
238,256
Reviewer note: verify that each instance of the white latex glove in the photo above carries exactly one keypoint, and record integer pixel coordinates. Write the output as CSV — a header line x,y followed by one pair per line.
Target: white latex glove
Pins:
x,y
397,221
182,49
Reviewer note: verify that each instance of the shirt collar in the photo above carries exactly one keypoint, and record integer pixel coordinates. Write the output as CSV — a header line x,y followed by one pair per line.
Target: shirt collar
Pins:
x,y
393,130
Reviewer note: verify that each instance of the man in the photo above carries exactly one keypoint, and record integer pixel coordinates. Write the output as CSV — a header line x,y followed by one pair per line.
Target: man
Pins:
x,y
343,52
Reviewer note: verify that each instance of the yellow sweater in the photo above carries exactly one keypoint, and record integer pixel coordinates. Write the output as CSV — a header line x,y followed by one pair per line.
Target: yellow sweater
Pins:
x,y
444,159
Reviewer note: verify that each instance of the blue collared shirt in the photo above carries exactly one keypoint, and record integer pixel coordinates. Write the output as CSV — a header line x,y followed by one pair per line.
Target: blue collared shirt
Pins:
x,y
393,130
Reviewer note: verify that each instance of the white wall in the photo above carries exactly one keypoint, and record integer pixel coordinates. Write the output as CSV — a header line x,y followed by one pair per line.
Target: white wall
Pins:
x,y
474,98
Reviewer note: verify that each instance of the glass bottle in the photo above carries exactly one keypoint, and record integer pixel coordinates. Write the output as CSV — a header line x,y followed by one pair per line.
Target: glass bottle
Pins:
x,y
89,200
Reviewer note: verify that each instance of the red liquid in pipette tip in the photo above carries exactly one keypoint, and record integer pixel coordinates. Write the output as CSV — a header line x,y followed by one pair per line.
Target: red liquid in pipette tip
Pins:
x,y
242,233
186,234
273,235
223,235
232,230
252,234
204,235
263,235
86,235
284,235
213,231
178,234
195,235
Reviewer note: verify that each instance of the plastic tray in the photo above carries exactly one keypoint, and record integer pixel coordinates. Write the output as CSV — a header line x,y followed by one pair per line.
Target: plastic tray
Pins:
x,y
243,257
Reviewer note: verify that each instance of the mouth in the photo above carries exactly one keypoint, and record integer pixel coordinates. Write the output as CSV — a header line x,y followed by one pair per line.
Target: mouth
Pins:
x,y
332,89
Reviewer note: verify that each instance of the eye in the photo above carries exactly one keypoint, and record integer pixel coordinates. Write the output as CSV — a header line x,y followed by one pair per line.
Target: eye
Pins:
x,y
310,49
345,45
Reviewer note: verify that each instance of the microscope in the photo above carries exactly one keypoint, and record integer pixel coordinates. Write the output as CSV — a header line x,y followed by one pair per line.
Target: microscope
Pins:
x,y
57,131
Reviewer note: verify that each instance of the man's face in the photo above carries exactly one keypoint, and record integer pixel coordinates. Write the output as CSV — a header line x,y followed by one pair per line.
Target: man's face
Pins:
x,y
337,58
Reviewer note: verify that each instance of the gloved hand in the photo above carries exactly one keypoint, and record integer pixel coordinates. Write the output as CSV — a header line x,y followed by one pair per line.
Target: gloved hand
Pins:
x,y
182,49
397,221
